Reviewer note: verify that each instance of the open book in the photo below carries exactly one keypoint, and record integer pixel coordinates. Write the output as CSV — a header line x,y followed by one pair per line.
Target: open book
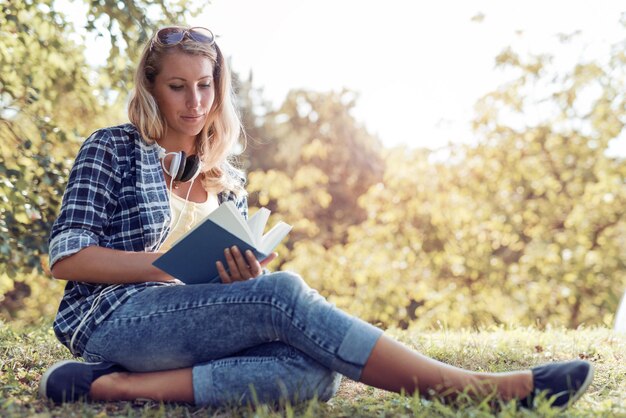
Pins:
x,y
192,258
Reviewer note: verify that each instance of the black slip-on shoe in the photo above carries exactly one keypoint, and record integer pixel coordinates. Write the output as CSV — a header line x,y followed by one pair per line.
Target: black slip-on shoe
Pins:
x,y
562,383
70,381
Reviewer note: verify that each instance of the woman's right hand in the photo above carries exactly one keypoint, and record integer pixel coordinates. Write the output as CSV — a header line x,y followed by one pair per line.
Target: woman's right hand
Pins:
x,y
240,267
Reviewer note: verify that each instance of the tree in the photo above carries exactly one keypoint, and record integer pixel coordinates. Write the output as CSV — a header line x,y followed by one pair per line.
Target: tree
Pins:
x,y
561,193
526,226
322,160
50,99
261,144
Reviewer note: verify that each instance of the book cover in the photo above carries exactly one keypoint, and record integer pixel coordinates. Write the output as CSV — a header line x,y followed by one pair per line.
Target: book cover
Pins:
x,y
192,258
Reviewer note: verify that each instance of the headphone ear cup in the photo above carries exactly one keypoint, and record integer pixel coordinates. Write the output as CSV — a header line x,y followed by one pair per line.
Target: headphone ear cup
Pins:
x,y
191,169
173,165
178,174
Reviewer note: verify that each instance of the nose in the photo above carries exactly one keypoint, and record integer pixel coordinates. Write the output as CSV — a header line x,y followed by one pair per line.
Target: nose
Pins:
x,y
193,99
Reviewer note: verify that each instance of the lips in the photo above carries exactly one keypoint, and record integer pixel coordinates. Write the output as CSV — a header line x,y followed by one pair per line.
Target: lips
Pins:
x,y
192,118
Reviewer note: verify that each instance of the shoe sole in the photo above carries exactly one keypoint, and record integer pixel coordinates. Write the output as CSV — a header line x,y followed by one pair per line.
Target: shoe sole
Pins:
x,y
43,384
583,388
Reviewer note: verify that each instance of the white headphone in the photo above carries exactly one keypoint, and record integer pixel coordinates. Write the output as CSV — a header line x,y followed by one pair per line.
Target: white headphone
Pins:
x,y
182,167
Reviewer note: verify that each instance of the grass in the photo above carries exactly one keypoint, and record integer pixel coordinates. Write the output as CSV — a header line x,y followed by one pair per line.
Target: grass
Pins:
x,y
25,353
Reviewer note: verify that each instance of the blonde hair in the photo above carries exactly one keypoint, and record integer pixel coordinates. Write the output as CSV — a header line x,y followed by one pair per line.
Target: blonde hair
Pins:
x,y
215,143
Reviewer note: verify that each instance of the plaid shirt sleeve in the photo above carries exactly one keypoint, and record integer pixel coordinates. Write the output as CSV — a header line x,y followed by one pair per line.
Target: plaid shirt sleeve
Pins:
x,y
242,205
89,199
241,201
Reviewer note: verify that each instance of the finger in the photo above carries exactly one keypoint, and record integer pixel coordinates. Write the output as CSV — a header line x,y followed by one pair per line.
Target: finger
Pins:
x,y
174,280
255,267
224,277
232,266
268,259
242,264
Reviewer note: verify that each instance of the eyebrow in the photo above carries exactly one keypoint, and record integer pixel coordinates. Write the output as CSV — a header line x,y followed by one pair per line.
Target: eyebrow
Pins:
x,y
184,79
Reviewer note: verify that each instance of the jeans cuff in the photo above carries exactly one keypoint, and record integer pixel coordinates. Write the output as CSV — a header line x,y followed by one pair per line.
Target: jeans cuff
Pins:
x,y
202,379
355,349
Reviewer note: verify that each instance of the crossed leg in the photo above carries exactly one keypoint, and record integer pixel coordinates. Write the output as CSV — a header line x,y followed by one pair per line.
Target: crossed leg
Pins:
x,y
276,307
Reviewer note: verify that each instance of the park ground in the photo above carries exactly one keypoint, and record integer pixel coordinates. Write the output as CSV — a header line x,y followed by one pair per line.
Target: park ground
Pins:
x,y
26,352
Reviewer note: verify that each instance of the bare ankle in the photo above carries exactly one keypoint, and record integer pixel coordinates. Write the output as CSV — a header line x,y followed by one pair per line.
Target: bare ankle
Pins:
x,y
515,385
110,387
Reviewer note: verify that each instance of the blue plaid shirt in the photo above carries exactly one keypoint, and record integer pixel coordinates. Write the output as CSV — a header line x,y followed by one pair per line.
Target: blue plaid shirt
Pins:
x,y
116,197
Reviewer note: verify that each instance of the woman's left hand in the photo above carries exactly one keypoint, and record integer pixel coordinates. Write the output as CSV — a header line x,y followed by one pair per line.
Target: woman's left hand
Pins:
x,y
242,267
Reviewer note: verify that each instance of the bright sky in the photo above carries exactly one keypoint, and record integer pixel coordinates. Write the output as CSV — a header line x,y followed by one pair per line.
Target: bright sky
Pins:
x,y
419,66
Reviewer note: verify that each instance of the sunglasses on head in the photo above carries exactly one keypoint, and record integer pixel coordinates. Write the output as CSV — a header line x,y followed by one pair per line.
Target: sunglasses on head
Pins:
x,y
175,35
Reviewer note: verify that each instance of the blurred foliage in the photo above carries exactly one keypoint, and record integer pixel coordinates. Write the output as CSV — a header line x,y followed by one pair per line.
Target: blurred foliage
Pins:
x,y
524,226
323,160
50,100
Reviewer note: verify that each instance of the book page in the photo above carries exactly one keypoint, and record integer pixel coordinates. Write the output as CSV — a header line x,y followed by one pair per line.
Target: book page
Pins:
x,y
274,237
257,224
228,217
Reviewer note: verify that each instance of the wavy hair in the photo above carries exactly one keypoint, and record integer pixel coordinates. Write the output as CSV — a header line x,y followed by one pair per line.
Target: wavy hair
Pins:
x,y
216,141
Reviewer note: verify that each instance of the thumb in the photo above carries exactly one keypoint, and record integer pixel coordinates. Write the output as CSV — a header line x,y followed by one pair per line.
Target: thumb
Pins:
x,y
268,259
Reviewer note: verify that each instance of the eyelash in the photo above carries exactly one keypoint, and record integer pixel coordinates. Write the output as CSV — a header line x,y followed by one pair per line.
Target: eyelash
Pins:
x,y
178,88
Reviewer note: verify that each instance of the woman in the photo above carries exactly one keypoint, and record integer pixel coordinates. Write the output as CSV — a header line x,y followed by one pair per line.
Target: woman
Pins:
x,y
132,192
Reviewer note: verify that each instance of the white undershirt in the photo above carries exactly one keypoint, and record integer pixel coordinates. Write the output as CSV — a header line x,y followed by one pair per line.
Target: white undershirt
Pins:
x,y
193,214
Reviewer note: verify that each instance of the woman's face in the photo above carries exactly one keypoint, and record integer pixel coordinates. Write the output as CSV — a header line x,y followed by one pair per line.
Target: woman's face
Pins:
x,y
184,92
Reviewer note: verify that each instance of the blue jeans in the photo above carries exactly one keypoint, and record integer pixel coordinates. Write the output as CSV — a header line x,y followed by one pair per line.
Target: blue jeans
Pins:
x,y
267,339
